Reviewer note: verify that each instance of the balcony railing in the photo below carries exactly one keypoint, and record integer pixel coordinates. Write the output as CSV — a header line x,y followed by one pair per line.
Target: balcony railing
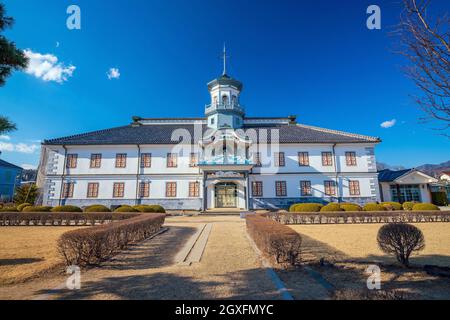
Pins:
x,y
225,160
224,106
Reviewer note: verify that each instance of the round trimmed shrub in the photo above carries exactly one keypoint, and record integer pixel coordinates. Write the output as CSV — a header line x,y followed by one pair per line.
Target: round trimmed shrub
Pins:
x,y
374,207
37,209
331,207
144,208
425,207
22,206
158,209
306,207
97,208
409,205
351,207
391,206
67,209
126,209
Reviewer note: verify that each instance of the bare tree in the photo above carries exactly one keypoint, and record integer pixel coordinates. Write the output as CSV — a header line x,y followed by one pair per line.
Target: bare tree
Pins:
x,y
426,43
400,239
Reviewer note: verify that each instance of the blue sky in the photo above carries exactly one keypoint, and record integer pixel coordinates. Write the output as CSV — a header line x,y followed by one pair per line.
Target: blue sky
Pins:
x,y
315,59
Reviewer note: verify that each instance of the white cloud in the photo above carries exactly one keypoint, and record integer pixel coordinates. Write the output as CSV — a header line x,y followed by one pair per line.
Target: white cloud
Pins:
x,y
113,73
28,166
389,124
20,147
47,67
5,137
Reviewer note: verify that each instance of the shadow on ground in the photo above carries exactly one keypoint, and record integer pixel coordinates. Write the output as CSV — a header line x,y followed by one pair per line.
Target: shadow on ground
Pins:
x,y
18,261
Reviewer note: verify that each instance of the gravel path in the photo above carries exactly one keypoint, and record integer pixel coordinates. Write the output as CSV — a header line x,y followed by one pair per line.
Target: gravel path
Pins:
x,y
229,269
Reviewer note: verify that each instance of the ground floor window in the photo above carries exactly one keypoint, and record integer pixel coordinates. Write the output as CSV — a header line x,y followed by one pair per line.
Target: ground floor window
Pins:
x,y
92,191
144,189
280,188
305,188
402,193
119,190
257,188
354,188
171,189
194,189
68,190
330,188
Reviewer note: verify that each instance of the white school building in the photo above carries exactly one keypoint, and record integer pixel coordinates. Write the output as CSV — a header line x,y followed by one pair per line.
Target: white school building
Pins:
x,y
222,160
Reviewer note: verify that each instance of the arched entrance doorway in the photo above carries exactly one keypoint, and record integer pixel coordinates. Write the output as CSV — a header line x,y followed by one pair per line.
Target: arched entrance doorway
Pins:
x,y
226,195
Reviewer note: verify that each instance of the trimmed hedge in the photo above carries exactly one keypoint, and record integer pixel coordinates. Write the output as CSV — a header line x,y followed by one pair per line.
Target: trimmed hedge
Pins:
x,y
67,209
409,205
392,205
97,208
425,207
144,208
92,246
274,239
359,217
306,207
126,209
439,198
374,207
352,207
60,218
9,209
22,206
331,207
37,209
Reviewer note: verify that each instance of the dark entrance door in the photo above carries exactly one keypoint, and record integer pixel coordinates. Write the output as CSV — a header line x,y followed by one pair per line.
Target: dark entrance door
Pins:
x,y
226,195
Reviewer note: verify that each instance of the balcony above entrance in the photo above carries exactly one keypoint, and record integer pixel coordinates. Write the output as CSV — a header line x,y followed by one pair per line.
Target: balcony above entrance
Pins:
x,y
226,162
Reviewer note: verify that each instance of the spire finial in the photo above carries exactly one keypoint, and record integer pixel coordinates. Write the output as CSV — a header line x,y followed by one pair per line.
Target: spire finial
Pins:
x,y
224,59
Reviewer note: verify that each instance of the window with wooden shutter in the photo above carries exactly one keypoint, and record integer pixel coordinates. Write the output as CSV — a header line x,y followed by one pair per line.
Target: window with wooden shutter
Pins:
x,y
144,189
350,159
257,188
171,189
68,190
96,160
146,160
305,188
194,189
327,159
119,190
303,159
72,160
330,188
92,191
172,160
121,160
354,188
279,159
280,187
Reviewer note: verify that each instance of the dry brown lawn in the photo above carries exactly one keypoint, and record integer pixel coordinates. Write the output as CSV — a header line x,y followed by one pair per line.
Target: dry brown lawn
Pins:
x,y
26,252
359,242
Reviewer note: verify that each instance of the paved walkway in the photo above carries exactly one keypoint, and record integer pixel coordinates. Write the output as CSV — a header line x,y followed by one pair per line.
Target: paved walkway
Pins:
x,y
228,268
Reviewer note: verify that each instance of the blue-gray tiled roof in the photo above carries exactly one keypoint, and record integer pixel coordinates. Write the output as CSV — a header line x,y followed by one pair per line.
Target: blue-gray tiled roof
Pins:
x,y
389,175
162,134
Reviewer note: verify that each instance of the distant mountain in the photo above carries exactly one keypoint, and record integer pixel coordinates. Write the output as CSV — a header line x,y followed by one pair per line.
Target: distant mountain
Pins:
x,y
433,170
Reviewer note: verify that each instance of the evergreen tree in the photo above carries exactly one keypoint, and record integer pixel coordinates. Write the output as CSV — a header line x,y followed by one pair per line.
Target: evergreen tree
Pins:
x,y
27,193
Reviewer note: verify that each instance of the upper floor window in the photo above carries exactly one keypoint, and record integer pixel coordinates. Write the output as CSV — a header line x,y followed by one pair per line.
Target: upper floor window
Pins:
x,y
215,100
354,188
225,99
330,188
146,160
68,190
327,159
96,160
234,100
303,159
171,189
119,190
194,189
257,188
257,159
72,160
92,191
280,188
279,159
350,159
121,160
172,160
305,188
213,120
144,189
193,161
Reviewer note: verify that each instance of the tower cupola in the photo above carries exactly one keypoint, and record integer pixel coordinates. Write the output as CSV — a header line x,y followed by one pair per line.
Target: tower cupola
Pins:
x,y
225,110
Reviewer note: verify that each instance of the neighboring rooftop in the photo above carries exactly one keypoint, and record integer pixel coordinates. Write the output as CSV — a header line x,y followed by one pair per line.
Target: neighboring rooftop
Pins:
x,y
4,164
391,175
161,133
